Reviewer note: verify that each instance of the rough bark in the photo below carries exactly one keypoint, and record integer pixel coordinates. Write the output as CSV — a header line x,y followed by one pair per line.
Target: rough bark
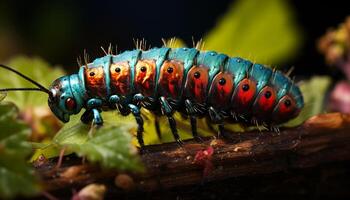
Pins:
x,y
322,139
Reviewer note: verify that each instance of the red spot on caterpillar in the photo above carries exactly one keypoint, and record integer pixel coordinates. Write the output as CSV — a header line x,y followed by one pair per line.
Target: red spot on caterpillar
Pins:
x,y
170,79
95,81
204,158
265,100
221,89
243,96
145,72
197,83
120,78
285,109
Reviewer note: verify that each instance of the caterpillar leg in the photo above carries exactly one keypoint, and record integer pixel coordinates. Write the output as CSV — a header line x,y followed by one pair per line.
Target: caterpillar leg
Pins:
x,y
137,114
138,99
217,118
123,109
193,120
209,124
97,116
87,117
168,111
156,125
221,128
114,99
93,112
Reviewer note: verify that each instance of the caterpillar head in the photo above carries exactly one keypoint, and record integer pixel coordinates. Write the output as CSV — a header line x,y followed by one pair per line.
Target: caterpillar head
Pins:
x,y
65,97
65,94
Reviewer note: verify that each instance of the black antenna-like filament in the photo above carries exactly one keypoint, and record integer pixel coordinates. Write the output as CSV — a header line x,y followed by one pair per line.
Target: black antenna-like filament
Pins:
x,y
40,87
21,89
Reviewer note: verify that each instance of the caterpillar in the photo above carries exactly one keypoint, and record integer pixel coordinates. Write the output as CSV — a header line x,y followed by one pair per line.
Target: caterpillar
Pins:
x,y
164,80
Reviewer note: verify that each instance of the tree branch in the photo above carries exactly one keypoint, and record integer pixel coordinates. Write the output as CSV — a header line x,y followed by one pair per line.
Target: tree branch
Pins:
x,y
321,139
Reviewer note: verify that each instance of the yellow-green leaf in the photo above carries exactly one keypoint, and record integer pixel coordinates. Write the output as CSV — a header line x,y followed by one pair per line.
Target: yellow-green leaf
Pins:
x,y
36,69
262,31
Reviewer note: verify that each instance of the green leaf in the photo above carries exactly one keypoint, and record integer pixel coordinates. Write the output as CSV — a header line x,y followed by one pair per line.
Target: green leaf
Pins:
x,y
109,145
36,69
314,92
16,176
262,31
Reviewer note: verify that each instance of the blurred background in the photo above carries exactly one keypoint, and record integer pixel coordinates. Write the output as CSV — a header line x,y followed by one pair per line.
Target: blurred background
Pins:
x,y
59,31
313,38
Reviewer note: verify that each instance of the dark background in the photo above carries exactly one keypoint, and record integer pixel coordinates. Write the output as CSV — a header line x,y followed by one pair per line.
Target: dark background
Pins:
x,y
59,31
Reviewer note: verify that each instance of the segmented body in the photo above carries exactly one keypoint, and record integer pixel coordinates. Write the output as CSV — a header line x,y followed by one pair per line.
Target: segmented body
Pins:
x,y
195,83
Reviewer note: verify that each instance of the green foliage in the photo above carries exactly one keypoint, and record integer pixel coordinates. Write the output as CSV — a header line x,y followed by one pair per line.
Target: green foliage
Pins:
x,y
262,31
36,69
109,145
16,177
313,98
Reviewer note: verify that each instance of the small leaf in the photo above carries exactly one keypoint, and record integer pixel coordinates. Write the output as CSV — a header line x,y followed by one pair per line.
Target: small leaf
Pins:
x,y
264,32
16,177
314,92
36,69
109,145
